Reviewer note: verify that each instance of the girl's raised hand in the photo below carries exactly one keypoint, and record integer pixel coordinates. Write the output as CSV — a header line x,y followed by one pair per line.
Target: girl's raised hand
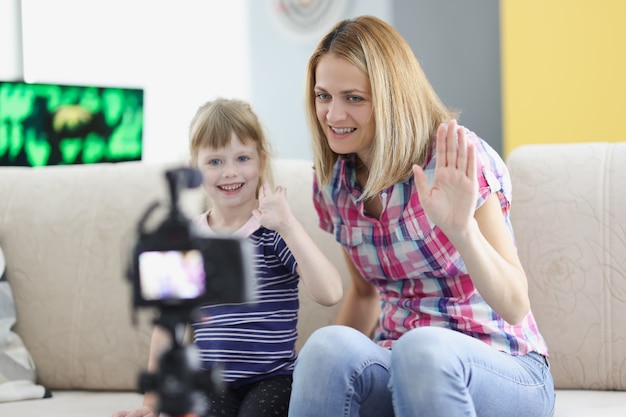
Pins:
x,y
451,201
273,211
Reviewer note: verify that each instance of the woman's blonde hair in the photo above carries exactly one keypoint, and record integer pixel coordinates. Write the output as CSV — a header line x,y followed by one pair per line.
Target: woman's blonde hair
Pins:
x,y
214,124
407,111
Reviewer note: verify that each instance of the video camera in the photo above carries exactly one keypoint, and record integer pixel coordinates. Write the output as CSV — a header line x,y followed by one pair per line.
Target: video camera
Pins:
x,y
176,270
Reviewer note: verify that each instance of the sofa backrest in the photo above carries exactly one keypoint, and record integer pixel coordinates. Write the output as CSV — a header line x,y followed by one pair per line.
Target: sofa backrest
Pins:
x,y
67,233
569,217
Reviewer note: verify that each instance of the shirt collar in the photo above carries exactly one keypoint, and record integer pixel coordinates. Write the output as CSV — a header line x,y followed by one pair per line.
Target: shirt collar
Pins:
x,y
244,231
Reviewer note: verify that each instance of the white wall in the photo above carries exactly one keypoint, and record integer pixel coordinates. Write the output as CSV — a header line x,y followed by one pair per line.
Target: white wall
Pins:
x,y
181,53
277,68
10,40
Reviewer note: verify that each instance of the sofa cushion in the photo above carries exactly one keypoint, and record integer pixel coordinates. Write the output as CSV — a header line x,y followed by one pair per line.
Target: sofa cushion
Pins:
x,y
17,368
74,404
590,403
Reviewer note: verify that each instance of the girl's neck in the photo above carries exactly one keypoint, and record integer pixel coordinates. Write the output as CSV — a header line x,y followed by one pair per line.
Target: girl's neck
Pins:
x,y
228,220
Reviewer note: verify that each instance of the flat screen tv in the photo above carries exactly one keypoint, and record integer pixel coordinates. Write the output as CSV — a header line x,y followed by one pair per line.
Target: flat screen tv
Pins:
x,y
54,124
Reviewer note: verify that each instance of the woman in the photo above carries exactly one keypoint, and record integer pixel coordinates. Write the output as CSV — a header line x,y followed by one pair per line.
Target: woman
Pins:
x,y
421,207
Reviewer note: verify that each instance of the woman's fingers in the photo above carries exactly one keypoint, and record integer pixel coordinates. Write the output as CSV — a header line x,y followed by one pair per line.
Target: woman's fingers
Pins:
x,y
441,144
451,145
461,155
447,146
419,178
453,148
471,163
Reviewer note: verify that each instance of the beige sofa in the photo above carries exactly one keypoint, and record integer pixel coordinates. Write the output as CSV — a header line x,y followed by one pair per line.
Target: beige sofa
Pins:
x,y
569,216
66,233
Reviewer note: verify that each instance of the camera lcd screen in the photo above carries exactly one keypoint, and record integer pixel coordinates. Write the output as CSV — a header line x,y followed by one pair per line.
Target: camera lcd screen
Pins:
x,y
171,275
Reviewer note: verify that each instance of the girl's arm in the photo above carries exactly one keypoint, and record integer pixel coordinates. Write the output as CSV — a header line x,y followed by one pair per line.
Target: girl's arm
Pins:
x,y
319,276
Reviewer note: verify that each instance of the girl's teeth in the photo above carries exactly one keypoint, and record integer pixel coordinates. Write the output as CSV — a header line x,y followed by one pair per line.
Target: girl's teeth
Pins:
x,y
231,187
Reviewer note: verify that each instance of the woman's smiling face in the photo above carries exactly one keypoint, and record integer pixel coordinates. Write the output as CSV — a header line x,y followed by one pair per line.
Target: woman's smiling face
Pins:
x,y
343,104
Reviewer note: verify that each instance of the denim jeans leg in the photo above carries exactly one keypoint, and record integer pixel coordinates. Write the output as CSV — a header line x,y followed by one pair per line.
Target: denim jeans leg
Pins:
x,y
439,372
340,372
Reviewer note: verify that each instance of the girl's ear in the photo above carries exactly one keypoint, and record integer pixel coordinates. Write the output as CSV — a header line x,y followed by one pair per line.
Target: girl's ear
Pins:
x,y
263,164
262,176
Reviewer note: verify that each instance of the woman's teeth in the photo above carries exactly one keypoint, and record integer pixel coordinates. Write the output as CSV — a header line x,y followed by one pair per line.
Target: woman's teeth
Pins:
x,y
344,130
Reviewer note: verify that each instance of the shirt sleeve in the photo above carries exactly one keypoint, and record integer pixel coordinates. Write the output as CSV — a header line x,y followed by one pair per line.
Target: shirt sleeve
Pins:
x,y
324,219
493,175
283,253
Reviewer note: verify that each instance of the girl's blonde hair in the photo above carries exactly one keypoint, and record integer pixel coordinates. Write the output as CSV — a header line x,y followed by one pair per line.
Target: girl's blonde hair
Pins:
x,y
214,124
406,109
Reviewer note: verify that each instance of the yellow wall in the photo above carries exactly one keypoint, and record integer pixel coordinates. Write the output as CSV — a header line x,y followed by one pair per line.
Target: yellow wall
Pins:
x,y
563,71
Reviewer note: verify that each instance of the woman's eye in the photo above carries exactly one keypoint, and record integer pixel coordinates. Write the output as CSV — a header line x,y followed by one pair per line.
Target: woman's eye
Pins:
x,y
323,96
355,99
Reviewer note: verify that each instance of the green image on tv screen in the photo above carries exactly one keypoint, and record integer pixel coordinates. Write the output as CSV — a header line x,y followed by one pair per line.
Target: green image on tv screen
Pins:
x,y
53,124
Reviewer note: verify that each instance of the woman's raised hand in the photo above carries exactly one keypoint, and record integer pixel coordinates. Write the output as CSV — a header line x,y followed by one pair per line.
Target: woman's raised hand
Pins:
x,y
451,200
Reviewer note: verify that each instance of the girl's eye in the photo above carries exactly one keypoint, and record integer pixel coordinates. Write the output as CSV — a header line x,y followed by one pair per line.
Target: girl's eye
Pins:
x,y
243,158
322,96
214,162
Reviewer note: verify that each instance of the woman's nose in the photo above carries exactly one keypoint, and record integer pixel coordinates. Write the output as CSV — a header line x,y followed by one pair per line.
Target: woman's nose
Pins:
x,y
335,112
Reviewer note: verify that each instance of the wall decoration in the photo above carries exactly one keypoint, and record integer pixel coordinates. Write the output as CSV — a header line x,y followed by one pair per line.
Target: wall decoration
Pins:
x,y
308,18
53,124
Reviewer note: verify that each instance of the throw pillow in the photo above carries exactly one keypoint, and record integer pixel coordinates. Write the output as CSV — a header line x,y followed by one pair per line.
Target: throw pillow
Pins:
x,y
17,369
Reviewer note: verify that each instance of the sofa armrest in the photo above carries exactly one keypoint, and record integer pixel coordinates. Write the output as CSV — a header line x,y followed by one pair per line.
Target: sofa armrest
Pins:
x,y
569,218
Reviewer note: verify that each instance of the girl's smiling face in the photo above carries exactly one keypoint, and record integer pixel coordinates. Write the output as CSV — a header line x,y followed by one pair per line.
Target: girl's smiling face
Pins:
x,y
231,174
343,106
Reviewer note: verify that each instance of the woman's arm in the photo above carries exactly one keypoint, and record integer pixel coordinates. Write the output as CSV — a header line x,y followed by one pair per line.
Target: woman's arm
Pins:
x,y
319,275
492,262
360,308
481,236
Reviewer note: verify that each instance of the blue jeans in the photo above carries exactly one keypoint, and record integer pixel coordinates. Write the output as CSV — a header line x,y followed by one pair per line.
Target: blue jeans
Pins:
x,y
430,372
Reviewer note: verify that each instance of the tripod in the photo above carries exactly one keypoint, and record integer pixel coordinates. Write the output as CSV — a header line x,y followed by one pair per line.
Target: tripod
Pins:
x,y
180,382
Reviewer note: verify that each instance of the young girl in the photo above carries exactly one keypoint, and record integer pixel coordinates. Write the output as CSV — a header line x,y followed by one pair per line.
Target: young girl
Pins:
x,y
421,206
254,342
